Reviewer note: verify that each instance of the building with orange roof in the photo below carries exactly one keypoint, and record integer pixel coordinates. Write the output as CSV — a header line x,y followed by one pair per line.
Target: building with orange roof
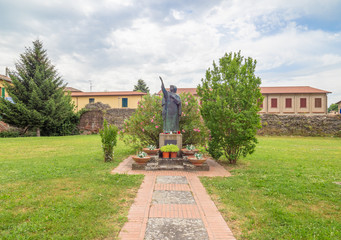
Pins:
x,y
288,100
117,99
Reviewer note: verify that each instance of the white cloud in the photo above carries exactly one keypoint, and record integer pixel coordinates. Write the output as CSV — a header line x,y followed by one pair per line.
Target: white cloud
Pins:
x,y
114,43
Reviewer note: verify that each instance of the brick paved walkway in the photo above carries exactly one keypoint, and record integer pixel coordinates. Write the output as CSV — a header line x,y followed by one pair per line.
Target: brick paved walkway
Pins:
x,y
146,210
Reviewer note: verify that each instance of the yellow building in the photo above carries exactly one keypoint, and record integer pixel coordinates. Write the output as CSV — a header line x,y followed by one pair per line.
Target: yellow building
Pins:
x,y
122,99
3,79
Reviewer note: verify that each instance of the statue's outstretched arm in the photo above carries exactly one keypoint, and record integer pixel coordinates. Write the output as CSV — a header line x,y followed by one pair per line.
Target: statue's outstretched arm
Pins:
x,y
165,93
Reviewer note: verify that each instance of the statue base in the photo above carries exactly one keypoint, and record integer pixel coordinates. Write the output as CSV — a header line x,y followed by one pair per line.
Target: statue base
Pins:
x,y
175,139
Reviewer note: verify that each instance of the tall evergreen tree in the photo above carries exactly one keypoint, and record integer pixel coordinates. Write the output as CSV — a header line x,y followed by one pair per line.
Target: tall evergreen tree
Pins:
x,y
38,95
141,86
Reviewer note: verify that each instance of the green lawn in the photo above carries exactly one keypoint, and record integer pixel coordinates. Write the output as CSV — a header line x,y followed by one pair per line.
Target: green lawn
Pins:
x,y
284,190
60,188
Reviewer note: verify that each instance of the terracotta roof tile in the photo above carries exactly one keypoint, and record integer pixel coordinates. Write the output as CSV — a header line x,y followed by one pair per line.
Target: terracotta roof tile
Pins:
x,y
266,90
94,94
297,89
71,89
183,90
5,78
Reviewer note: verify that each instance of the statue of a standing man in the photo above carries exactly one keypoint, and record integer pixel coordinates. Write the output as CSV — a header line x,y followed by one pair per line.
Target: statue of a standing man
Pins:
x,y
171,108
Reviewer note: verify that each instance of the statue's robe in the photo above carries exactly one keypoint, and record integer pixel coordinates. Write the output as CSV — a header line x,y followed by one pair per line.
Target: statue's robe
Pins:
x,y
171,111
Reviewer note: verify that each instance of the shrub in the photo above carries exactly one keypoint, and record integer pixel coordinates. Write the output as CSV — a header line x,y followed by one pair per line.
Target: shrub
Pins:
x,y
109,140
231,99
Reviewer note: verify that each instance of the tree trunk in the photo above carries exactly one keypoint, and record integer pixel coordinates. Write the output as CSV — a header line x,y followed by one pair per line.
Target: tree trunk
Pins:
x,y
38,132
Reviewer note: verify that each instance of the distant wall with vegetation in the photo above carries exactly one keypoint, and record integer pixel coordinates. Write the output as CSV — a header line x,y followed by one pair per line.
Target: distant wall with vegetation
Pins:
x,y
319,125
92,120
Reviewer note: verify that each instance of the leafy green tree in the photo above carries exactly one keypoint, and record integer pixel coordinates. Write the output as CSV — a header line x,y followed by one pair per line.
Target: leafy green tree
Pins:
x,y
141,86
333,107
38,95
109,140
231,98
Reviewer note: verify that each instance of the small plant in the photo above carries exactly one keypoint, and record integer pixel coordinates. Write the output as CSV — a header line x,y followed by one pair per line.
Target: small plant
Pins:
x,y
142,154
165,148
109,140
198,156
173,148
151,147
170,148
190,147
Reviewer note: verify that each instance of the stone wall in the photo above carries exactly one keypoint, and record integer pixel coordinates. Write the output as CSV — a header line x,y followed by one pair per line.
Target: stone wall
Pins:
x,y
92,121
4,126
319,125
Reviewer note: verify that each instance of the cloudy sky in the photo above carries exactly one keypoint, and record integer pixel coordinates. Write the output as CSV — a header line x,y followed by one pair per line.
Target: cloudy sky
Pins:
x,y
113,43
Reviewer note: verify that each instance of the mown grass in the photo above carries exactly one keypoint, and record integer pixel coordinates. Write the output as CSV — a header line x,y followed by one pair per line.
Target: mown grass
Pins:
x,y
60,188
284,190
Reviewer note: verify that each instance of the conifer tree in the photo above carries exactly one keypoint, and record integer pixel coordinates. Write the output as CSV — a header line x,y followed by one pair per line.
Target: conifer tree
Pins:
x,y
141,86
37,92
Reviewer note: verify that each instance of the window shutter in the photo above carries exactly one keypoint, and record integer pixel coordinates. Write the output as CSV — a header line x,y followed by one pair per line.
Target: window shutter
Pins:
x,y
124,102
303,102
288,102
318,102
274,102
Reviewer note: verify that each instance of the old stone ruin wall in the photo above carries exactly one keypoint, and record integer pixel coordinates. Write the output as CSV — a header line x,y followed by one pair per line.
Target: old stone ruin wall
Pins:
x,y
92,120
300,125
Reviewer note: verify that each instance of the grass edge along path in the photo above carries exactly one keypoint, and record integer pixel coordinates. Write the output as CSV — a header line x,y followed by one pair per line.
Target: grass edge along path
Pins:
x,y
60,188
284,190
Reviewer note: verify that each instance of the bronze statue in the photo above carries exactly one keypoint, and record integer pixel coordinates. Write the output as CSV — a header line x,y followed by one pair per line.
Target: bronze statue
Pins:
x,y
171,108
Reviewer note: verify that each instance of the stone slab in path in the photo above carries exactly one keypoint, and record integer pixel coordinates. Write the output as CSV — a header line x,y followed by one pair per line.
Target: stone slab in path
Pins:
x,y
172,197
171,179
175,228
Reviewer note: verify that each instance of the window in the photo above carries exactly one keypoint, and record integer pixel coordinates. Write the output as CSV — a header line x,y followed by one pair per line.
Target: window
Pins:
x,y
124,102
318,102
91,100
2,92
273,102
288,103
303,102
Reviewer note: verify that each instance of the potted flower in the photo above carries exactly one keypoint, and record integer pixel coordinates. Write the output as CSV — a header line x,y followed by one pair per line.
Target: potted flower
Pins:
x,y
141,158
151,150
174,149
198,159
169,149
165,151
189,151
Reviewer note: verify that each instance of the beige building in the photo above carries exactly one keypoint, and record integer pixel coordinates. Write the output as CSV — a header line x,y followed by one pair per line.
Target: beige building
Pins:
x,y
288,100
294,100
122,99
339,107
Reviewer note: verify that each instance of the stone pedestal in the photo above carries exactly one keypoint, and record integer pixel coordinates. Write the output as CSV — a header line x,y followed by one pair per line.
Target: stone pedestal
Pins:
x,y
175,139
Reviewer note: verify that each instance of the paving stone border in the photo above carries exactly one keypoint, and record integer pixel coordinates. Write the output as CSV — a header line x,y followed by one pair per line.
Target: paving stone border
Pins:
x,y
161,209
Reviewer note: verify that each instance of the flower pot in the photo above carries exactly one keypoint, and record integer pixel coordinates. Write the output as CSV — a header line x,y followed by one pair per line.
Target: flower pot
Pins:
x,y
165,154
189,153
173,154
141,161
151,152
197,162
